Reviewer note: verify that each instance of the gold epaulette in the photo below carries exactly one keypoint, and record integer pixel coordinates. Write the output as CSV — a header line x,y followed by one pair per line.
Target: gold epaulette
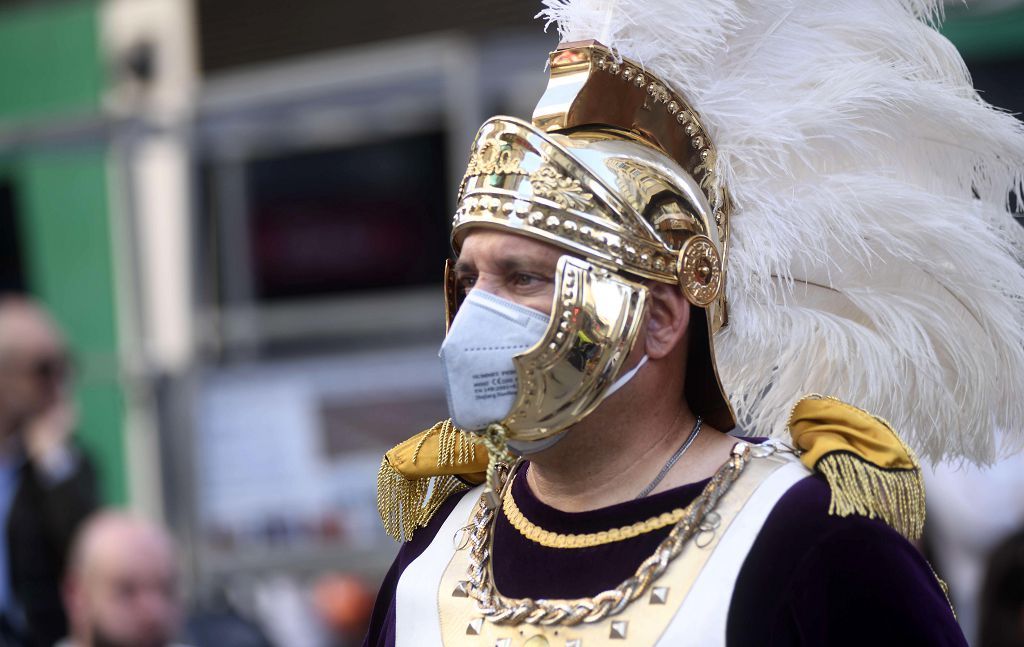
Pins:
x,y
418,475
870,470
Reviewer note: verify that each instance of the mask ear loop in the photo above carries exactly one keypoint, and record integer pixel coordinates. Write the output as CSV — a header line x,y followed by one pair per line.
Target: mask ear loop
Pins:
x,y
626,377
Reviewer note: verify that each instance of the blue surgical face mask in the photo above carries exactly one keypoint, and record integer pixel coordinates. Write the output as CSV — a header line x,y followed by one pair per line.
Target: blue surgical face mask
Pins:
x,y
480,377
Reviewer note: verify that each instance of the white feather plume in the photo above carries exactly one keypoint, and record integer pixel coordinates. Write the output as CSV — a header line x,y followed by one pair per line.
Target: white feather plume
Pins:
x,y
873,256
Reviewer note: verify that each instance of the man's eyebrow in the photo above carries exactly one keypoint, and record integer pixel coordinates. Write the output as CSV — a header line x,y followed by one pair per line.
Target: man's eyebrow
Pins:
x,y
507,265
463,267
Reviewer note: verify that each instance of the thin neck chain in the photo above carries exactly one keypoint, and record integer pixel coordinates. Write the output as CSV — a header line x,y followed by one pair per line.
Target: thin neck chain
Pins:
x,y
672,460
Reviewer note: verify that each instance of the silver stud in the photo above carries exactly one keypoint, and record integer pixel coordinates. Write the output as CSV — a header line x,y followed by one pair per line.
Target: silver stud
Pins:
x,y
672,107
474,627
614,68
627,73
659,595
461,590
619,629
640,80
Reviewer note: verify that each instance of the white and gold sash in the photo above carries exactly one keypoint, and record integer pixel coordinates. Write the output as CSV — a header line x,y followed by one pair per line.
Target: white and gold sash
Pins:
x,y
688,605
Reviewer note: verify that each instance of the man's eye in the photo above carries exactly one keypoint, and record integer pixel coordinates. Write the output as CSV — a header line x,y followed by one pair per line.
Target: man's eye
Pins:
x,y
466,283
524,280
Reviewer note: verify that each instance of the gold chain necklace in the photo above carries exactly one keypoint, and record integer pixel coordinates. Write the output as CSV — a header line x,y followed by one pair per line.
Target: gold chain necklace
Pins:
x,y
502,610
551,539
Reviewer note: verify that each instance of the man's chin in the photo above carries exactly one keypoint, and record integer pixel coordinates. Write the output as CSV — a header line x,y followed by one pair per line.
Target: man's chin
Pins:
x,y
102,639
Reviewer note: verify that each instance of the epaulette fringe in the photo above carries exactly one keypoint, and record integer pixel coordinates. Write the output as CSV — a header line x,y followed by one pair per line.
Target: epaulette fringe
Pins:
x,y
409,492
860,488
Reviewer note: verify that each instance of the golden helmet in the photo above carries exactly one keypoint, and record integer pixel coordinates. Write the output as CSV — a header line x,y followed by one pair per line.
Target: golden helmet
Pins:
x,y
617,170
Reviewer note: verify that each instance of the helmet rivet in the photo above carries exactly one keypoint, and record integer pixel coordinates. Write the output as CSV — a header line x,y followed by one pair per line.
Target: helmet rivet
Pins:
x,y
699,268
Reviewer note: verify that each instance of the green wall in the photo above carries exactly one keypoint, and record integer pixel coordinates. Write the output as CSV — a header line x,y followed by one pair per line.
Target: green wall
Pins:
x,y
49,60
62,197
51,68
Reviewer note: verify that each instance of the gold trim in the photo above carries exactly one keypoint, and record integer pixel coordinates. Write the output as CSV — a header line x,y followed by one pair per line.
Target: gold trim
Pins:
x,y
550,539
494,157
566,192
593,237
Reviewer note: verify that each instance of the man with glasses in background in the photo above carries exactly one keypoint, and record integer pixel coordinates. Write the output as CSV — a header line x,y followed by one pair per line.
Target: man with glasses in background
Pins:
x,y
47,486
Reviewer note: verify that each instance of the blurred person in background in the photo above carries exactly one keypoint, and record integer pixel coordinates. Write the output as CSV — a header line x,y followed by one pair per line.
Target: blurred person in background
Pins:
x,y
344,604
47,485
1002,598
121,588
971,510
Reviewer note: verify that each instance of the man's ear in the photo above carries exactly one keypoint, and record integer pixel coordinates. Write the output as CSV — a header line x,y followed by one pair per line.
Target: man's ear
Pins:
x,y
668,319
72,596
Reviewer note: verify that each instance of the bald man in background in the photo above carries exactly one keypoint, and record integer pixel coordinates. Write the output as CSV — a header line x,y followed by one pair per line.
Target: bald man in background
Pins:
x,y
47,486
122,584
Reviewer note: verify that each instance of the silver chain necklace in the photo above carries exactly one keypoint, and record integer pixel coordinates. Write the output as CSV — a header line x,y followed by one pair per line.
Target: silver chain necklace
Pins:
x,y
672,460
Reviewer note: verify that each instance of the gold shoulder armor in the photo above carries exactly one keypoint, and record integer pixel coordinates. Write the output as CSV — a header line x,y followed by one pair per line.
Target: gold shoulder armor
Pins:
x,y
418,475
870,470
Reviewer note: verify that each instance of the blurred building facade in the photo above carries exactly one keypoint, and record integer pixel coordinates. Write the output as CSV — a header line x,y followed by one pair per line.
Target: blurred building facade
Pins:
x,y
238,211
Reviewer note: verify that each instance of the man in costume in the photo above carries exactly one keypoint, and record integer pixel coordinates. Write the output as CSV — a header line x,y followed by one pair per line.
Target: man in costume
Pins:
x,y
718,212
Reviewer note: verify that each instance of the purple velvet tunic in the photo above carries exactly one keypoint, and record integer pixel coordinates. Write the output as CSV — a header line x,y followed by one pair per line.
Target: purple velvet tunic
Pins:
x,y
809,578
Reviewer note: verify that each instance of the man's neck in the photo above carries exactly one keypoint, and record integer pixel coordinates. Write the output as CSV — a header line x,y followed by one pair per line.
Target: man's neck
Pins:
x,y
613,454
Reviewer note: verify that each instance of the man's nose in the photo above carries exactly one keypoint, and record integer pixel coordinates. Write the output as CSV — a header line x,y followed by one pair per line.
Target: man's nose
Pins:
x,y
491,285
157,607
